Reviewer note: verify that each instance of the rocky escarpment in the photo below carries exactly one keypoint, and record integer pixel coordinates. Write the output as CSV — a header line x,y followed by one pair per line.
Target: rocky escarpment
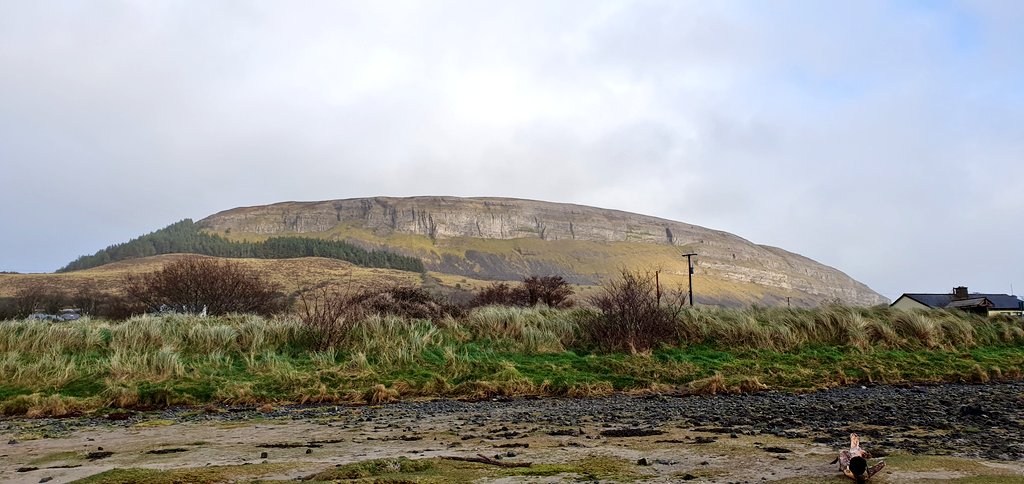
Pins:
x,y
450,221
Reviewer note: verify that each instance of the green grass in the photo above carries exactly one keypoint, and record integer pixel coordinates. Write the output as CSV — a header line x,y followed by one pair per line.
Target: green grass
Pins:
x,y
401,469
440,470
198,475
84,366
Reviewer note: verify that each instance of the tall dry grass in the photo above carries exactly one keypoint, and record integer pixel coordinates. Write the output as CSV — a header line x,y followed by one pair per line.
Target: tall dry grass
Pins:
x,y
784,329
160,360
528,330
392,339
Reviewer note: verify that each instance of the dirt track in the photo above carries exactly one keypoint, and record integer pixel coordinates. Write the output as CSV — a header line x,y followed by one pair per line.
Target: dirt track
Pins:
x,y
938,432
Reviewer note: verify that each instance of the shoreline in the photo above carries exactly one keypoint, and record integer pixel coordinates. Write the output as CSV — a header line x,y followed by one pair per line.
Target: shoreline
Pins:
x,y
971,429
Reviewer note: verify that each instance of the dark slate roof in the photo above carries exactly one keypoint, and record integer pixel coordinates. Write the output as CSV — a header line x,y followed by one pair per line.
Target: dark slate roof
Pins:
x,y
1003,301
974,302
931,300
999,301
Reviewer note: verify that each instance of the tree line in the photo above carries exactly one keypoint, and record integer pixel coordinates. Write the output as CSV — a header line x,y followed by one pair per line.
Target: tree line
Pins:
x,y
186,237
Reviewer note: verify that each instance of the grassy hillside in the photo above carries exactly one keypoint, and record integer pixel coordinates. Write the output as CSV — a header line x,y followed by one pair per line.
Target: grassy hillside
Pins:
x,y
61,369
290,274
587,263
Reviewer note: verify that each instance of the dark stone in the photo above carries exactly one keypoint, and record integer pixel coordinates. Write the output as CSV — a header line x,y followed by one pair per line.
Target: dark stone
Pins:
x,y
631,432
174,450
289,445
264,455
566,432
98,455
643,462
972,410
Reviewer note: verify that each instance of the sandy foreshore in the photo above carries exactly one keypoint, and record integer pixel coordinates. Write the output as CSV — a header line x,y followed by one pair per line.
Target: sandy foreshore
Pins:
x,y
924,432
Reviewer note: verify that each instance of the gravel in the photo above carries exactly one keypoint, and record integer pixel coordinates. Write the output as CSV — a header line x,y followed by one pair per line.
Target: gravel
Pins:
x,y
983,420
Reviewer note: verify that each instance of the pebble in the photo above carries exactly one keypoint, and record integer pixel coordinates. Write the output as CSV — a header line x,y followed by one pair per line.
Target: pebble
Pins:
x,y
888,417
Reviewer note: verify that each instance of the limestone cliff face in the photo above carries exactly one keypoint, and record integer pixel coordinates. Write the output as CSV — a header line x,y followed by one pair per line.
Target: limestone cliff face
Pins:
x,y
444,219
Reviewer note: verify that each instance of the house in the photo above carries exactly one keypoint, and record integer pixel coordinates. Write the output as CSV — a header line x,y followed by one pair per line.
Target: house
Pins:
x,y
960,298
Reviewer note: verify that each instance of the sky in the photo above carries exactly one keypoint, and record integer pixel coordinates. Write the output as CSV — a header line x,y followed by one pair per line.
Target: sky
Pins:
x,y
885,139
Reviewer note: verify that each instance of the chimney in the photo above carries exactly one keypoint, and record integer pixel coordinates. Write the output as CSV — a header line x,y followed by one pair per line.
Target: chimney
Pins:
x,y
959,293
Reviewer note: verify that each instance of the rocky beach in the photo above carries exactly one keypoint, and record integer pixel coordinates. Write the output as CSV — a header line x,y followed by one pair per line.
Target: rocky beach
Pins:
x,y
924,432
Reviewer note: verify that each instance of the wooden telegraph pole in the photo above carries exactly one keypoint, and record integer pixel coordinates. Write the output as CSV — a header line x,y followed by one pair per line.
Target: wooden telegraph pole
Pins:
x,y
689,265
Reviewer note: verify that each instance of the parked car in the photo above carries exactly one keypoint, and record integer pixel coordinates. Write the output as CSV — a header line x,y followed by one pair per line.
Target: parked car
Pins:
x,y
64,315
69,315
45,317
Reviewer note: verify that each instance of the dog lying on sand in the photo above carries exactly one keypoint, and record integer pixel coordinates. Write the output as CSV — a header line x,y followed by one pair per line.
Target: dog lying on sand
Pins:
x,y
854,462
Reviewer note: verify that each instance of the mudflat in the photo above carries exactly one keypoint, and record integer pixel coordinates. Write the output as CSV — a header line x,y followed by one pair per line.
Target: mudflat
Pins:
x,y
924,432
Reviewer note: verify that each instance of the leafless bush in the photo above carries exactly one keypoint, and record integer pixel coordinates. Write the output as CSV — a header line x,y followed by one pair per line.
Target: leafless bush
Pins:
x,y
195,283
631,316
38,297
553,291
329,312
117,307
499,294
88,299
405,301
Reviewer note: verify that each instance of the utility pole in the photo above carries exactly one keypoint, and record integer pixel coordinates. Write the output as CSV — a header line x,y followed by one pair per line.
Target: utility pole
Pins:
x,y
689,265
657,286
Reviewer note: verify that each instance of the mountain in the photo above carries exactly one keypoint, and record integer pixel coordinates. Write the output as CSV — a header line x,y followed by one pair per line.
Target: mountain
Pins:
x,y
462,239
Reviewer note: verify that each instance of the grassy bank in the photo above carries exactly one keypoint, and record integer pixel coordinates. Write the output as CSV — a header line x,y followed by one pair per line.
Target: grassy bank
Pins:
x,y
86,365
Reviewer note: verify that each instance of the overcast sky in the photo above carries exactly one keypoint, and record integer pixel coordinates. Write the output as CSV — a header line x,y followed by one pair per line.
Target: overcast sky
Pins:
x,y
882,138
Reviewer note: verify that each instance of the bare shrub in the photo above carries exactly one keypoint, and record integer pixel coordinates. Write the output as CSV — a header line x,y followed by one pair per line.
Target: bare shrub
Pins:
x,y
405,301
499,294
38,297
553,291
87,298
328,311
631,317
195,284
118,307
8,308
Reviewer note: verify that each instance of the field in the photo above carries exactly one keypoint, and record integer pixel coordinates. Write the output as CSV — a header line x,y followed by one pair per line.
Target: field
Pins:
x,y
151,361
289,274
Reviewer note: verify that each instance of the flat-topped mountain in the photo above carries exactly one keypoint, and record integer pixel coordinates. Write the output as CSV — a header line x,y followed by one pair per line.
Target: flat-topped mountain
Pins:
x,y
505,238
